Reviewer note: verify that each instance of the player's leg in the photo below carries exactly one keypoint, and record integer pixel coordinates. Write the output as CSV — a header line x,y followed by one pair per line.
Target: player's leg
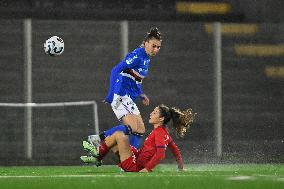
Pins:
x,y
135,122
134,137
126,111
96,139
96,154
122,145
127,154
118,139
131,124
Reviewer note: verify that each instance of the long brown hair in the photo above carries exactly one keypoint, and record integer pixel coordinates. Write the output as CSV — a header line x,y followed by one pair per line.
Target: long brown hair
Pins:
x,y
182,120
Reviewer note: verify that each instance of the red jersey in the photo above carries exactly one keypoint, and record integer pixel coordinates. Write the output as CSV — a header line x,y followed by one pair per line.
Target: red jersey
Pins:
x,y
154,149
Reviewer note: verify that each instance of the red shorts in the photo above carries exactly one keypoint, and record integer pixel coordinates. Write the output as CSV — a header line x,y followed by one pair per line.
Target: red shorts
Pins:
x,y
130,165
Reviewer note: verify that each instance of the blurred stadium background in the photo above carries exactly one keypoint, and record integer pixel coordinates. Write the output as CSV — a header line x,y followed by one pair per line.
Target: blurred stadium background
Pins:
x,y
184,74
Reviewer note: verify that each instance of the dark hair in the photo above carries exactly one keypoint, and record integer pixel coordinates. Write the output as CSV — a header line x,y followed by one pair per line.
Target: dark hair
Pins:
x,y
182,120
154,33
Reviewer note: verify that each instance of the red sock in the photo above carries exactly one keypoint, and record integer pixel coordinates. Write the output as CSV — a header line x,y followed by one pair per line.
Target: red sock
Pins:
x,y
103,150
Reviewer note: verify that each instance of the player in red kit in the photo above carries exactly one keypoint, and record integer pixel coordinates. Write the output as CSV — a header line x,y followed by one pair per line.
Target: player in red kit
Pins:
x,y
154,147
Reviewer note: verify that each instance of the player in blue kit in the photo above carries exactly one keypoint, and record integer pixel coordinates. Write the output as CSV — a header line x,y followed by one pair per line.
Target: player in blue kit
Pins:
x,y
126,87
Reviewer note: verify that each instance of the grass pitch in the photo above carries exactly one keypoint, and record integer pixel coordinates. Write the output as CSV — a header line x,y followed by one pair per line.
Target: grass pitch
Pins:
x,y
206,176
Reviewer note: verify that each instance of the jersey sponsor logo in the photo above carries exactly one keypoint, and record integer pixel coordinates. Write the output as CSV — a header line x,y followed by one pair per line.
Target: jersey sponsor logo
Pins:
x,y
131,59
141,69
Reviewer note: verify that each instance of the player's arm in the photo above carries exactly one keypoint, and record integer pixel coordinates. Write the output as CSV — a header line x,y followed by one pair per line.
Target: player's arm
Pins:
x,y
144,170
160,152
176,152
144,98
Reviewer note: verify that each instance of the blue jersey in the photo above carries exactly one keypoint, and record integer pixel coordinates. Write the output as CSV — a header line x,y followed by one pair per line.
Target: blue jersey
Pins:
x,y
126,77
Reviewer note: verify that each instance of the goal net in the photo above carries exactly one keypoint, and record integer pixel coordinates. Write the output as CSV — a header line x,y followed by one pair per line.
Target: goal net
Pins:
x,y
45,133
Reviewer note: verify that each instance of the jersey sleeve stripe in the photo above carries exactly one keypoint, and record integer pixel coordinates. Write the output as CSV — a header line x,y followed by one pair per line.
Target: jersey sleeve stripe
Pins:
x,y
160,146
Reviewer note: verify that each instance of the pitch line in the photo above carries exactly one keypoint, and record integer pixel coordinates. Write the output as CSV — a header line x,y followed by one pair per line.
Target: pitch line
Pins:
x,y
123,175
89,176
241,178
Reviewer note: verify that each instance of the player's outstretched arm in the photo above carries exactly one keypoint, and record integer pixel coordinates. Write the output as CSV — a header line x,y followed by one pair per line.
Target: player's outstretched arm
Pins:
x,y
176,152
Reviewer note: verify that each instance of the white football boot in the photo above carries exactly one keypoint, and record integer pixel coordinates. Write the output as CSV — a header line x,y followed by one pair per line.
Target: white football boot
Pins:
x,y
94,140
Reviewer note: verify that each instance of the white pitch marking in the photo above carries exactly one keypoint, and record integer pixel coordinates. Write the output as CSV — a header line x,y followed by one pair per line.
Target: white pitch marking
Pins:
x,y
241,178
280,179
229,177
94,175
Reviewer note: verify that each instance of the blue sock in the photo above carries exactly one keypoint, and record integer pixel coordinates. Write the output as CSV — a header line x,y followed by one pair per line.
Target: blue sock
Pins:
x,y
125,129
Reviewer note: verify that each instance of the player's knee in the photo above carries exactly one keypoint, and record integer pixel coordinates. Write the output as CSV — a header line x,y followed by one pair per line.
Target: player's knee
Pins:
x,y
141,128
120,137
119,134
137,128
135,122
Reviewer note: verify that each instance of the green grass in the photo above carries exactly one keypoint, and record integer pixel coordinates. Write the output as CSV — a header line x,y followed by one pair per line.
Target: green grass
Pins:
x,y
237,176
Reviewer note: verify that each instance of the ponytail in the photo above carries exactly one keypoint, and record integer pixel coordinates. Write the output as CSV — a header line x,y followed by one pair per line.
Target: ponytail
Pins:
x,y
154,33
182,120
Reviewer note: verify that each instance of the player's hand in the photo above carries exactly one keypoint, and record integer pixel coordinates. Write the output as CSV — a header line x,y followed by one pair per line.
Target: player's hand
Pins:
x,y
144,170
145,99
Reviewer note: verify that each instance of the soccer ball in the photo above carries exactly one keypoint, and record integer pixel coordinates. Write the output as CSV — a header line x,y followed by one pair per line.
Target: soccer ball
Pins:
x,y
54,46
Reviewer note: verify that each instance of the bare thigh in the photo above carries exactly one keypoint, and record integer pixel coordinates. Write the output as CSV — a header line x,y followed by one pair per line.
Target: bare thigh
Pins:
x,y
135,122
114,149
120,141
